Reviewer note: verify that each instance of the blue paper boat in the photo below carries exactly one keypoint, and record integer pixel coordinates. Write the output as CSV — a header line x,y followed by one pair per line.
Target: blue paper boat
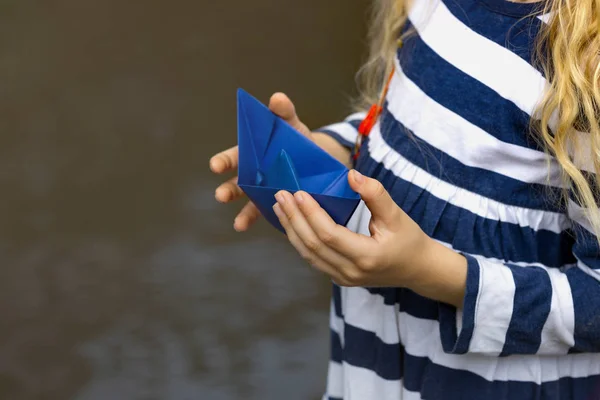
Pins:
x,y
273,156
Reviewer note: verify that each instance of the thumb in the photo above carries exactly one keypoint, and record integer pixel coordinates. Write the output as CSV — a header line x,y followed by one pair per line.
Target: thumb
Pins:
x,y
282,106
385,212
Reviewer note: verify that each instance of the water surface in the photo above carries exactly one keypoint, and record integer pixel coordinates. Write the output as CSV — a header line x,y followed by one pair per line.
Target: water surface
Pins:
x,y
120,276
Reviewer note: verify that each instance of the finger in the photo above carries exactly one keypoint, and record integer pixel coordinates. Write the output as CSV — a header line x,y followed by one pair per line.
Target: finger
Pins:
x,y
384,211
246,218
311,258
309,238
229,191
281,105
224,161
352,246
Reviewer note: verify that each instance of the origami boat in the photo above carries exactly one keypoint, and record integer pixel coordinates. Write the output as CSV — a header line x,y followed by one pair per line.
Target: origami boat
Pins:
x,y
273,156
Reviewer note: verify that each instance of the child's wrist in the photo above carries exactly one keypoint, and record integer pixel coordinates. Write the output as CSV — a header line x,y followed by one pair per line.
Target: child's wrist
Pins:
x,y
331,146
440,274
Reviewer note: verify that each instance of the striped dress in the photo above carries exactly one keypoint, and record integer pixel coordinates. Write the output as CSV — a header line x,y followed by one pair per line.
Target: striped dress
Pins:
x,y
452,148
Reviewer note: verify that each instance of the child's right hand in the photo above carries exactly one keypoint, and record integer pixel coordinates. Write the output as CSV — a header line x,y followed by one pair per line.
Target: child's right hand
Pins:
x,y
227,161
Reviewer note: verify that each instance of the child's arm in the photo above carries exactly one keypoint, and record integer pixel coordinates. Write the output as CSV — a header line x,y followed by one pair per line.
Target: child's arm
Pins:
x,y
338,139
333,147
510,309
487,307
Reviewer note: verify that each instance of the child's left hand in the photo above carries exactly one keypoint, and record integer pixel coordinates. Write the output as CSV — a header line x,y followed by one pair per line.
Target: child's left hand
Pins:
x,y
394,255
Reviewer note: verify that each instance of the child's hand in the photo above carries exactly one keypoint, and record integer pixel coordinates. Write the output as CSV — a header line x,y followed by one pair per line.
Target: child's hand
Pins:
x,y
227,161
394,255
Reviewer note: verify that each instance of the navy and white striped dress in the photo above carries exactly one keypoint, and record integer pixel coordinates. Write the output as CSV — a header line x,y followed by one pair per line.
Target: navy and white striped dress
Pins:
x,y
453,149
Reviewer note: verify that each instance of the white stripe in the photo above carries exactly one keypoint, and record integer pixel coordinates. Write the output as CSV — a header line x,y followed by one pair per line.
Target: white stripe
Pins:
x,y
408,395
559,330
421,338
335,380
520,368
381,152
359,223
494,308
336,375
344,129
364,384
384,322
545,18
460,139
336,324
580,148
594,273
361,216
577,214
491,64
356,116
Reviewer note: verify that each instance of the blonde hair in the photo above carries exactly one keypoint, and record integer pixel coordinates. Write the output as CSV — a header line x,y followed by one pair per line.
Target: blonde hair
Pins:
x,y
568,50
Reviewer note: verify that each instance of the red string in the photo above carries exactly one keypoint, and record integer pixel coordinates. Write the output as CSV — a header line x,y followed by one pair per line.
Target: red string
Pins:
x,y
365,127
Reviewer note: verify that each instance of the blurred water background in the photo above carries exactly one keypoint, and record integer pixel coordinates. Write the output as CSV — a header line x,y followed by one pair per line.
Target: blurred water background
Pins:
x,y
120,276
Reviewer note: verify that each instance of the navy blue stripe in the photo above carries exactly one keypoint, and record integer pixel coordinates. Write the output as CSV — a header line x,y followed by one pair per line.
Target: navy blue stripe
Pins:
x,y
586,248
409,302
531,307
337,300
590,178
337,137
484,182
334,398
585,291
436,382
573,195
453,341
469,232
364,349
456,91
336,347
516,35
355,123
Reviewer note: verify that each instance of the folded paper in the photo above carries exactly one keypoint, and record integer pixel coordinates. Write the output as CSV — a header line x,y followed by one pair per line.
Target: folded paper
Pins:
x,y
273,156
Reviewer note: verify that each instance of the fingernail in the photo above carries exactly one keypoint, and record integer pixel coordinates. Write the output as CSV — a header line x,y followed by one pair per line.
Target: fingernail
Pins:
x,y
216,165
218,195
235,224
280,198
277,210
358,177
299,197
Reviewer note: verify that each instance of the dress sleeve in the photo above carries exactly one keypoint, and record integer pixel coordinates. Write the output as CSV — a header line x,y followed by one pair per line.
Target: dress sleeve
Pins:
x,y
344,132
510,309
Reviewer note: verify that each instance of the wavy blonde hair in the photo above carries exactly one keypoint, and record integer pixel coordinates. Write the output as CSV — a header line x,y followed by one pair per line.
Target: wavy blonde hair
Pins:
x,y
568,50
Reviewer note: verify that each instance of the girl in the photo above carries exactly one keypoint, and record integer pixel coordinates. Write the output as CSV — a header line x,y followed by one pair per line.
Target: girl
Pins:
x,y
471,270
